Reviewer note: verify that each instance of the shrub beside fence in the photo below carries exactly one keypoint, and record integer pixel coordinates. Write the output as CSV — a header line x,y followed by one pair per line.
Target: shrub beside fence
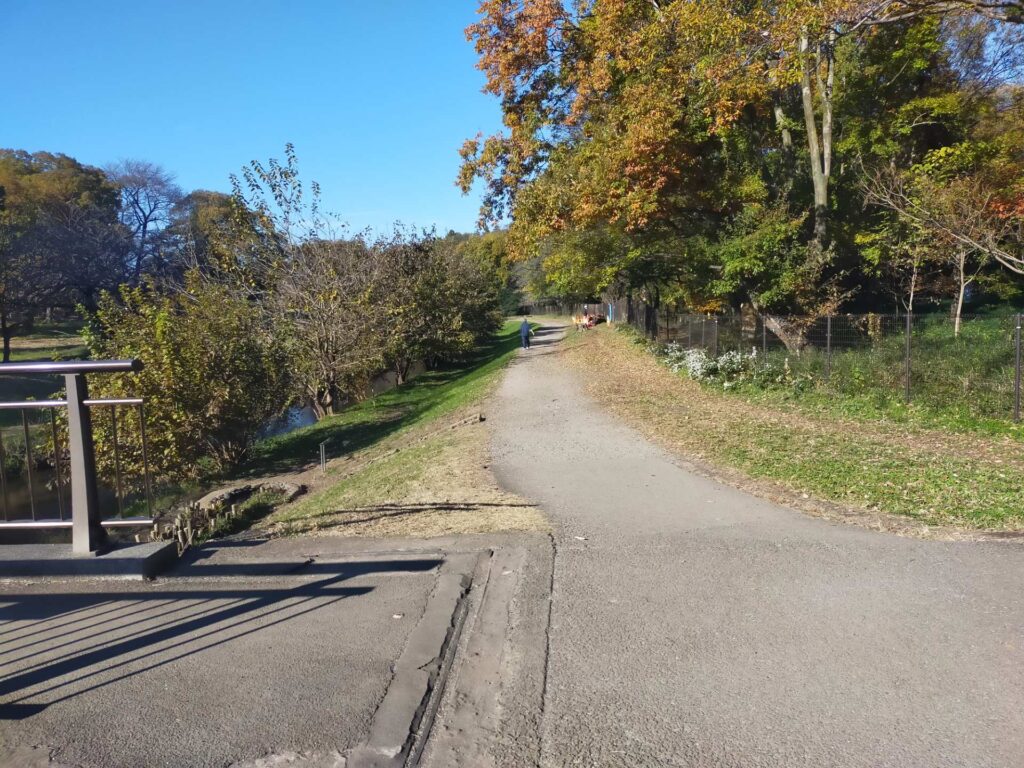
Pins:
x,y
914,358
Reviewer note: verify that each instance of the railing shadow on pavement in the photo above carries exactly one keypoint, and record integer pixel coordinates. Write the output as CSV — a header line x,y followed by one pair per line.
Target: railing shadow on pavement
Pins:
x,y
100,628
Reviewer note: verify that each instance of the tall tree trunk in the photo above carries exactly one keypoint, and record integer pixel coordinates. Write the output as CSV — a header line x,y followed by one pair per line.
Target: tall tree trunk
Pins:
x,y
792,335
137,267
913,288
780,123
962,290
788,162
819,147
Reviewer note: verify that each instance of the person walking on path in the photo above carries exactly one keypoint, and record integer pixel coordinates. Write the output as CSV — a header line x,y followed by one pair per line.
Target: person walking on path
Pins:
x,y
525,332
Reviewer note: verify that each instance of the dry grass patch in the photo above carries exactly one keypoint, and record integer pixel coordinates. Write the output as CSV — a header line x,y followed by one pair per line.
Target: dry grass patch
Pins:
x,y
421,484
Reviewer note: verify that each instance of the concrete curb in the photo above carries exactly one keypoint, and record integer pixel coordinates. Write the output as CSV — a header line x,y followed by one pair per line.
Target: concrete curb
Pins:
x,y
406,712
140,561
494,699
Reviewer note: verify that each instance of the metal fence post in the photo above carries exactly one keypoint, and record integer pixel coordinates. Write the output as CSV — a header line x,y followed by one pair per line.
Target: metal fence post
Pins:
x,y
1016,376
3,472
87,535
764,340
910,319
29,462
715,327
703,327
828,347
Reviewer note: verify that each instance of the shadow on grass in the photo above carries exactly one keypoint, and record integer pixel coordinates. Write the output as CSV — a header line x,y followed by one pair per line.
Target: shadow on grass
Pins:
x,y
384,511
364,424
254,509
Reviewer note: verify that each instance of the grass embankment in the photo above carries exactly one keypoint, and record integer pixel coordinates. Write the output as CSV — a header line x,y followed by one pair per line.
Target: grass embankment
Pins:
x,y
876,469
408,466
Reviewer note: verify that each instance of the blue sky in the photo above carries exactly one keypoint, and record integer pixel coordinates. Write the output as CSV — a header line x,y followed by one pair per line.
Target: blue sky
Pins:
x,y
376,96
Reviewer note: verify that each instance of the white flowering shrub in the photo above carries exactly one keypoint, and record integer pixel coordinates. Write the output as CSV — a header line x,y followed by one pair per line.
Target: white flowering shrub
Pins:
x,y
733,365
673,356
699,365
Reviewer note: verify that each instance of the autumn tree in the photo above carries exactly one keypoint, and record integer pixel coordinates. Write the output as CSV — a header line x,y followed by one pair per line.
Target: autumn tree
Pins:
x,y
214,373
349,306
719,142
322,305
965,214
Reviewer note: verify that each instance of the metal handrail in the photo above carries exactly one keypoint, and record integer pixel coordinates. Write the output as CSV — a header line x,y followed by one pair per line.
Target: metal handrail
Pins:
x,y
113,522
29,405
85,519
71,366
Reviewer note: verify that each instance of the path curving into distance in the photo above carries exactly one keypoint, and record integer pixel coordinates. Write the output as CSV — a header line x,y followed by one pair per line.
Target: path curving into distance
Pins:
x,y
695,625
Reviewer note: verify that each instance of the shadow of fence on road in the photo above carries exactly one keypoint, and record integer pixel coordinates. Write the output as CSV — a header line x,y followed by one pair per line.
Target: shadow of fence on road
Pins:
x,y
58,645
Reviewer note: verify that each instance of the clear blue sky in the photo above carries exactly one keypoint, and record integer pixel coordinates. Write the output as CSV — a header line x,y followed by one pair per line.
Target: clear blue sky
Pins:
x,y
377,96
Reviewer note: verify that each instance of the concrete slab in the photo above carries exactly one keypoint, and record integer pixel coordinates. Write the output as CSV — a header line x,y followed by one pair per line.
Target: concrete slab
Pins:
x,y
240,660
56,560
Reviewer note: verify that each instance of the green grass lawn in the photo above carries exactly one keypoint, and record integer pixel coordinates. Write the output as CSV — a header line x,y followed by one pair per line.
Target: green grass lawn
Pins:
x,y
959,383
56,341
428,397
55,352
54,330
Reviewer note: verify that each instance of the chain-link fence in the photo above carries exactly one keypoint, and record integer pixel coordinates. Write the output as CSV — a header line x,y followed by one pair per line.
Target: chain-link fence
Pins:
x,y
971,365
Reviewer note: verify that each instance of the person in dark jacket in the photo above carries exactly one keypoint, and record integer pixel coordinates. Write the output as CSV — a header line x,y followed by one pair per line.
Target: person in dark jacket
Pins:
x,y
525,332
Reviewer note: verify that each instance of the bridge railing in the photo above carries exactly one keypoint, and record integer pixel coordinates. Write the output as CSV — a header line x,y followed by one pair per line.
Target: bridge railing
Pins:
x,y
81,508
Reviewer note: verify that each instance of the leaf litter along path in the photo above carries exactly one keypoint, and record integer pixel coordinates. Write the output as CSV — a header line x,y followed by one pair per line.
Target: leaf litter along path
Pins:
x,y
695,624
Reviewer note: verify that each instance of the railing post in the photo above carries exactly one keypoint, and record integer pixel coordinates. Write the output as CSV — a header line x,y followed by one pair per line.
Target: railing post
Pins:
x,y
1016,375
87,534
3,472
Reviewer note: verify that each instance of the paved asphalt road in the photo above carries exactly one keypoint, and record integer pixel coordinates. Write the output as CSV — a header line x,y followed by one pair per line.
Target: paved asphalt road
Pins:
x,y
695,625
